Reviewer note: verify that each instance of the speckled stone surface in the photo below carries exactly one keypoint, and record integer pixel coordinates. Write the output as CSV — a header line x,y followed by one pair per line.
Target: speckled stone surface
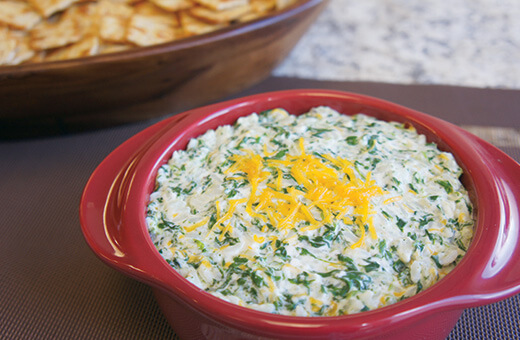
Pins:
x,y
458,42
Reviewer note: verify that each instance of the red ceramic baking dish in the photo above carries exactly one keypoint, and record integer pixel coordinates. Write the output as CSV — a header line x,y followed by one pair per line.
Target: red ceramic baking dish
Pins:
x,y
113,209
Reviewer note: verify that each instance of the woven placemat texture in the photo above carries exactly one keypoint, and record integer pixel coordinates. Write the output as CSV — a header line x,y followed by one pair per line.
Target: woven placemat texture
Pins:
x,y
51,284
53,287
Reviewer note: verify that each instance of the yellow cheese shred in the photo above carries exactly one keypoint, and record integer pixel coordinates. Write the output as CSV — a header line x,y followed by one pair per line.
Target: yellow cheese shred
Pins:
x,y
315,304
196,225
361,239
206,263
232,206
392,199
258,239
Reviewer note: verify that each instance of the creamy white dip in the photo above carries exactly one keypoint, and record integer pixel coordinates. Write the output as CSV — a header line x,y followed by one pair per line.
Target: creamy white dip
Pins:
x,y
314,215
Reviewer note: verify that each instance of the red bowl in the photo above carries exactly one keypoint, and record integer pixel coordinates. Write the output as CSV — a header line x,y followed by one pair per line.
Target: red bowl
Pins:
x,y
113,209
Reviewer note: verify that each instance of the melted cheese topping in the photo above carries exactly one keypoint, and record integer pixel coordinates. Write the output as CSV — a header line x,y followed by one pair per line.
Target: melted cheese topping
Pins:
x,y
318,215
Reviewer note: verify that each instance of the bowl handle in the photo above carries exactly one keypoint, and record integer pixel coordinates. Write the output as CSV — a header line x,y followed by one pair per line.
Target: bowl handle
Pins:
x,y
500,278
100,228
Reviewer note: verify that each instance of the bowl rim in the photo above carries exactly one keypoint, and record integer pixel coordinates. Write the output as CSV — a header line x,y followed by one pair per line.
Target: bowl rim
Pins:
x,y
224,33
461,288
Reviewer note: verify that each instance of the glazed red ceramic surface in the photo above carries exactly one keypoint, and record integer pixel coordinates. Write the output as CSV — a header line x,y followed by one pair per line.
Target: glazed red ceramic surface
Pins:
x,y
113,209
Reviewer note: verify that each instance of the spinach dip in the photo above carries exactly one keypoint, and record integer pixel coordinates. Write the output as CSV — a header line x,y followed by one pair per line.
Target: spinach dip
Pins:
x,y
321,214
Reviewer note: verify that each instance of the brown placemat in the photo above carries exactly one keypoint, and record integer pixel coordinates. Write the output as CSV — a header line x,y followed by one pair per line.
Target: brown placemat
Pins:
x,y
459,105
53,287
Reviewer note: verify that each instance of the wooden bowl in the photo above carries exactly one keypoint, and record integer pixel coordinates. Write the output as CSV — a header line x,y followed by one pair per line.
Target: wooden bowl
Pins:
x,y
142,83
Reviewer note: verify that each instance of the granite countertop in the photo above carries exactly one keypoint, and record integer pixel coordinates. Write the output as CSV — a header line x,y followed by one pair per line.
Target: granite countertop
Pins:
x,y
459,42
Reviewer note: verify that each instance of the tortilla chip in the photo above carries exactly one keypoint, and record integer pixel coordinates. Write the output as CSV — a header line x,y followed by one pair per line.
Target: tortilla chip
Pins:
x,y
145,31
18,15
150,25
173,5
38,57
249,17
263,7
84,48
7,46
23,50
45,36
71,27
106,48
113,8
113,20
281,4
49,7
128,2
220,5
194,26
148,8
14,47
260,8
86,13
23,53
112,28
220,17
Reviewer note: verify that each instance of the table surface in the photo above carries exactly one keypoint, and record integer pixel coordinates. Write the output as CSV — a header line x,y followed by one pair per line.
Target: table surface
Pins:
x,y
413,53
53,287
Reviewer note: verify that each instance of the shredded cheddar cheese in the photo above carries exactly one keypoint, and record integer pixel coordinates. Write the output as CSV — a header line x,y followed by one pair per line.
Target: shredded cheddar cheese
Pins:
x,y
327,190
196,225
258,239
392,199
